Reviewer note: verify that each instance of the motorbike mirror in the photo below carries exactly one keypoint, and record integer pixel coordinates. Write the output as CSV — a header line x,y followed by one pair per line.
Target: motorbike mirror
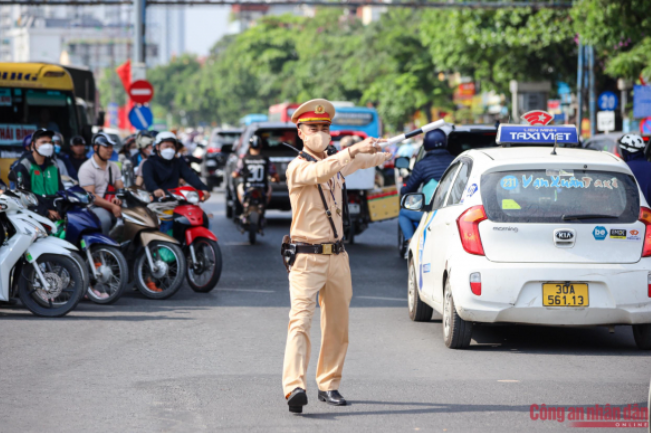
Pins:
x,y
402,162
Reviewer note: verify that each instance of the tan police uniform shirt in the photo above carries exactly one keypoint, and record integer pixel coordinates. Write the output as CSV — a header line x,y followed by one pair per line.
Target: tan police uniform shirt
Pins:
x,y
310,224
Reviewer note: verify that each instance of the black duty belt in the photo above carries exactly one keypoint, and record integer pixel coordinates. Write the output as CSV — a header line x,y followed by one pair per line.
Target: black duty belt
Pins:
x,y
325,249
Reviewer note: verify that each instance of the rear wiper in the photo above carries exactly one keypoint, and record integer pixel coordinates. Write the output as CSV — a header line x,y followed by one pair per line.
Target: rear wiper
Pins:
x,y
585,217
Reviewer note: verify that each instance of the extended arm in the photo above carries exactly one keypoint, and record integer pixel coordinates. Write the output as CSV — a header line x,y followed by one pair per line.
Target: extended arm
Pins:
x,y
362,161
190,176
302,173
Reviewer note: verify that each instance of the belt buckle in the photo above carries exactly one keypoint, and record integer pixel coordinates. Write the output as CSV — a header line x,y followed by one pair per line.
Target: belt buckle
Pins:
x,y
327,249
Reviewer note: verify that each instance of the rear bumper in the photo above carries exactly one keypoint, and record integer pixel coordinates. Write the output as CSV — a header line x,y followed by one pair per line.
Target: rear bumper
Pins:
x,y
512,292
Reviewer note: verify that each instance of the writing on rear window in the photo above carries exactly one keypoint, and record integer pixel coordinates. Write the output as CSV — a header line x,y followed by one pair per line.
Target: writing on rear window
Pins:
x,y
511,182
558,195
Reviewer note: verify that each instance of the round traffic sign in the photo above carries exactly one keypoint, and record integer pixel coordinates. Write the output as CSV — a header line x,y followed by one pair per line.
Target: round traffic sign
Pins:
x,y
645,126
141,91
141,117
608,101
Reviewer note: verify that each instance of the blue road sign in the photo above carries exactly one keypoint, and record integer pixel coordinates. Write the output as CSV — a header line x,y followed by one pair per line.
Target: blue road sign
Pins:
x,y
141,117
608,101
536,134
641,101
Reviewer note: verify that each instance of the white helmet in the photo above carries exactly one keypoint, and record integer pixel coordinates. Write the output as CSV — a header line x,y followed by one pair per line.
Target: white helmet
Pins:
x,y
631,143
165,136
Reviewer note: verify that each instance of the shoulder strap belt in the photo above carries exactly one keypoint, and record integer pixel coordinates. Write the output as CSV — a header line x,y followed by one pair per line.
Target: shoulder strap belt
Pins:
x,y
323,199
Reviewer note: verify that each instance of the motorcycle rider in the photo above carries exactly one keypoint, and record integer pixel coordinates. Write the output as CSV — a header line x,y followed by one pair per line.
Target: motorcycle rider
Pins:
x,y
36,172
100,176
255,170
430,168
163,171
77,155
144,144
632,147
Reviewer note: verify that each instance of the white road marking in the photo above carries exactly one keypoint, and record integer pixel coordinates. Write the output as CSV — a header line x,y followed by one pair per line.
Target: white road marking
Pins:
x,y
509,381
247,290
382,298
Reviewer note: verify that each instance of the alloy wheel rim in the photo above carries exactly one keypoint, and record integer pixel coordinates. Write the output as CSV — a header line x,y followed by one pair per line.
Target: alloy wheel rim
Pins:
x,y
411,290
447,313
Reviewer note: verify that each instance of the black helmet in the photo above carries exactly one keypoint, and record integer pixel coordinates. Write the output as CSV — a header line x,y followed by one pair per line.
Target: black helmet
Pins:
x,y
255,142
77,139
435,139
102,139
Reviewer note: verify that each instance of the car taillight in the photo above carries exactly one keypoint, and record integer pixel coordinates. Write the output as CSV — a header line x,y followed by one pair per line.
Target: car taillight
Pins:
x,y
475,283
213,150
468,224
645,217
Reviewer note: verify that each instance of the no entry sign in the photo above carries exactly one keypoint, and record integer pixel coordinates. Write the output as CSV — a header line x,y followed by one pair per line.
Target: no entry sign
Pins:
x,y
141,91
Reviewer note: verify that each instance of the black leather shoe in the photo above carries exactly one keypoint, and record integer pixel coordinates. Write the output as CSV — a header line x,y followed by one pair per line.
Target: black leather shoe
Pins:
x,y
296,400
333,398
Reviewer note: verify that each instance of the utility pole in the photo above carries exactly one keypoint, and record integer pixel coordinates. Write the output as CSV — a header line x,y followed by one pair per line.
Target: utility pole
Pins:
x,y
593,96
579,90
138,67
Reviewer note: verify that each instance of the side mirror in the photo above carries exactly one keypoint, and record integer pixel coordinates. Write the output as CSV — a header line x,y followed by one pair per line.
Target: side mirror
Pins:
x,y
401,162
413,201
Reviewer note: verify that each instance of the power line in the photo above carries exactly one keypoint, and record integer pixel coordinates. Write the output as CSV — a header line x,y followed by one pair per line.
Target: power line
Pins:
x,y
331,3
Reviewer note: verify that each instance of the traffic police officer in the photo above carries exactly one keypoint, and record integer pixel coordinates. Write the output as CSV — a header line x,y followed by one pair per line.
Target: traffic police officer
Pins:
x,y
321,263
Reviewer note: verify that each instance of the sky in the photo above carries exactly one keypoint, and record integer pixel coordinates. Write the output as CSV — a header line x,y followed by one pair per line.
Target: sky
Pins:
x,y
204,25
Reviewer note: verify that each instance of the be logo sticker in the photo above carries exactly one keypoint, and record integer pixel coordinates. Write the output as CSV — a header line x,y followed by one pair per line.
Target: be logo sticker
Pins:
x,y
600,233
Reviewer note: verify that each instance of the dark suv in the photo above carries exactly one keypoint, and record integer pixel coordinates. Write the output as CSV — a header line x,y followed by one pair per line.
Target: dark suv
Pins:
x,y
216,154
272,134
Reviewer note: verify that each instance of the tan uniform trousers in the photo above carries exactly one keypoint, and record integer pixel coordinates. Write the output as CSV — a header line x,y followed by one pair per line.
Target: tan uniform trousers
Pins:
x,y
328,275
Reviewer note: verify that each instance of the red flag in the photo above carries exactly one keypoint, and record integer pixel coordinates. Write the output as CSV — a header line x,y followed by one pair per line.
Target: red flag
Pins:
x,y
124,72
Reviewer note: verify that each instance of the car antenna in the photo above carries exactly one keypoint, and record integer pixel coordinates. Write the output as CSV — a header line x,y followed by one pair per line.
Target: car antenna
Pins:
x,y
555,143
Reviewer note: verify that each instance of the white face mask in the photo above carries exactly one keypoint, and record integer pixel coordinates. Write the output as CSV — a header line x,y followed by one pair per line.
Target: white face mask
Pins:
x,y
317,142
46,150
167,154
133,151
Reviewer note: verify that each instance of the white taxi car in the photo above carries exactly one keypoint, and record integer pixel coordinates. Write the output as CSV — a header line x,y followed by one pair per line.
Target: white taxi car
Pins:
x,y
532,235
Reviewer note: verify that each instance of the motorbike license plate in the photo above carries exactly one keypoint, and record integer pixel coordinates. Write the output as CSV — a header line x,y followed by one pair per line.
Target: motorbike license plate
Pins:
x,y
354,208
565,295
211,163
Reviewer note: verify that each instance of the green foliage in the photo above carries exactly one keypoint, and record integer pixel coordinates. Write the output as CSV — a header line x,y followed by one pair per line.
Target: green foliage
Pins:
x,y
110,88
173,88
496,46
620,32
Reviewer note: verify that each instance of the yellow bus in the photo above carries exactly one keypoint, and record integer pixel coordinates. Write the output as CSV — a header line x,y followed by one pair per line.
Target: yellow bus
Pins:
x,y
32,96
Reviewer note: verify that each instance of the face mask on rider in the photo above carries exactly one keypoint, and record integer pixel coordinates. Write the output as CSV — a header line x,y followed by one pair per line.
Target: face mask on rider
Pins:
x,y
167,154
45,150
133,151
317,142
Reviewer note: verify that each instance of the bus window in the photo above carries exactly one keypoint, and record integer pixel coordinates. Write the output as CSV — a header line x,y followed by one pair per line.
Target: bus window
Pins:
x,y
25,110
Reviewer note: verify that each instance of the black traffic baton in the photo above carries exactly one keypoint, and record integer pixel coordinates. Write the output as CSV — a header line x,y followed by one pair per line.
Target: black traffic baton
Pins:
x,y
421,130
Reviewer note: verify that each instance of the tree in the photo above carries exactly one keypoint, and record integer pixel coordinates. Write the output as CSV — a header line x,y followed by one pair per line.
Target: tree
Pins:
x,y
620,31
496,46
173,86
110,88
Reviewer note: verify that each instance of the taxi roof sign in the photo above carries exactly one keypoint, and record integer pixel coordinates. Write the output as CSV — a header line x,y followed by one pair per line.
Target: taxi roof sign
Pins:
x,y
546,135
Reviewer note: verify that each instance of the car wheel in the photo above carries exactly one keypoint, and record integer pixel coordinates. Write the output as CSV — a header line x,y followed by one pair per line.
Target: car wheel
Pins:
x,y
456,331
418,310
642,336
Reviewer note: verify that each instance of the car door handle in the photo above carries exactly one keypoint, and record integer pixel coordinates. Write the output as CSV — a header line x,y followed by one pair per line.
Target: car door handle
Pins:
x,y
429,229
447,223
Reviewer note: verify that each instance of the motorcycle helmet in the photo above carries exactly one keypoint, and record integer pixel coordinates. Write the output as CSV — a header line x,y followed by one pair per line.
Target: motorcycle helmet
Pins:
x,y
435,139
102,139
255,142
144,139
631,143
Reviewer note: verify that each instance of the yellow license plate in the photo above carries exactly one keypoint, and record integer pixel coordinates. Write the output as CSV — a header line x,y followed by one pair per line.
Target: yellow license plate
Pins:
x,y
565,295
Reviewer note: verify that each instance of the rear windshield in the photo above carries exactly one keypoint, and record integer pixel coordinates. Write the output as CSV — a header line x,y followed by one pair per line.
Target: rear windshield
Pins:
x,y
567,196
271,139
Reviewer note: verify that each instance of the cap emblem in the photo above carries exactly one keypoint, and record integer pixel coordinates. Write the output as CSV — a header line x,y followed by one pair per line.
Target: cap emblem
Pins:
x,y
319,109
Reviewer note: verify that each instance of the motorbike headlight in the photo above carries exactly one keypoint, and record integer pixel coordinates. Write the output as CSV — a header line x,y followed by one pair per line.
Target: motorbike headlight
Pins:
x,y
28,199
141,195
192,197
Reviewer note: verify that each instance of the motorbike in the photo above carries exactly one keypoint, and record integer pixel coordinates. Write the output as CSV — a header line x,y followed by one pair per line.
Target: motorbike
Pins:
x,y
159,264
108,269
252,219
189,224
38,268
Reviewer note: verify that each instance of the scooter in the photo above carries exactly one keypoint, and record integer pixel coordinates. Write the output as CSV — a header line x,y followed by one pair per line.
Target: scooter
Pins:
x,y
38,268
159,264
108,269
252,219
189,225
